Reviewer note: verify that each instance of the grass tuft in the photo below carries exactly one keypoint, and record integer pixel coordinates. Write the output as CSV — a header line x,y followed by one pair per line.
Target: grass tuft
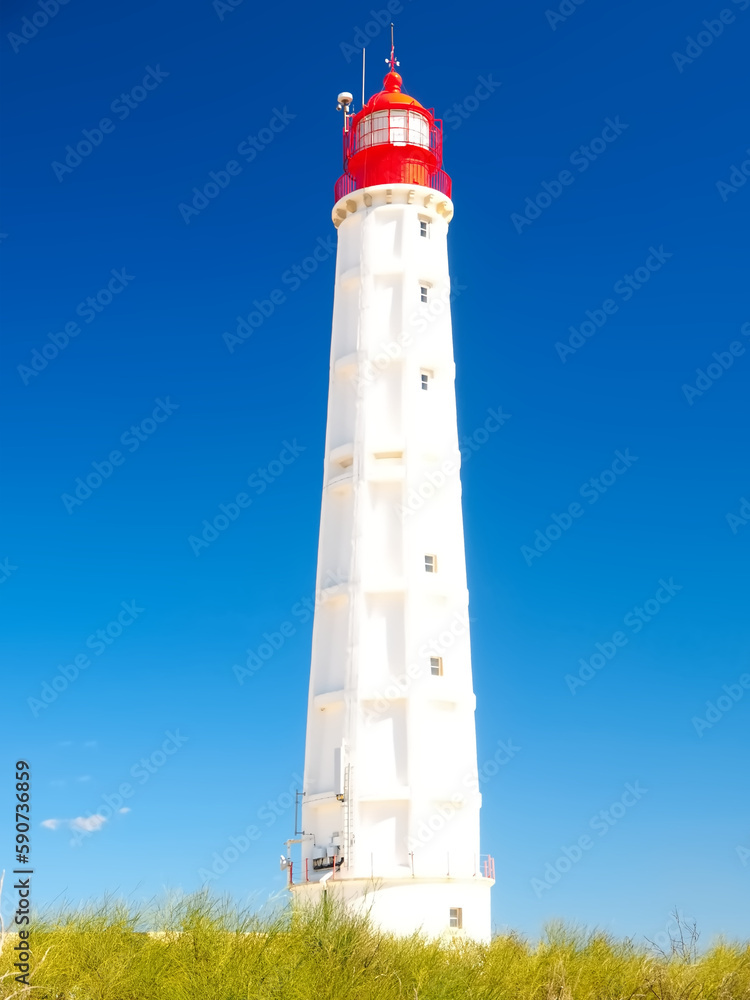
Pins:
x,y
203,948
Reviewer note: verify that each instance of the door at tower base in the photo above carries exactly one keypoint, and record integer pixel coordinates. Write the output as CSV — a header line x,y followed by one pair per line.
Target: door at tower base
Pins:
x,y
436,908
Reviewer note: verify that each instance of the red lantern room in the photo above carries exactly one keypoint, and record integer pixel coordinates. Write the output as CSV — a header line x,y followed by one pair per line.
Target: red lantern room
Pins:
x,y
392,140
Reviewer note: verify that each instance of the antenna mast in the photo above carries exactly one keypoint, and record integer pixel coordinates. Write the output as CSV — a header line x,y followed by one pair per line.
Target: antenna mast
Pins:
x,y
393,60
363,76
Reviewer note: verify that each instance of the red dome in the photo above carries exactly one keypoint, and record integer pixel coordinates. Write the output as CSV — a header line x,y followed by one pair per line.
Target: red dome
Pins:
x,y
391,97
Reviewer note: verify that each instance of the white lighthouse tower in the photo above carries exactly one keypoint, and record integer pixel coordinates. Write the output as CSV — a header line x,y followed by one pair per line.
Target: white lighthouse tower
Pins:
x,y
390,806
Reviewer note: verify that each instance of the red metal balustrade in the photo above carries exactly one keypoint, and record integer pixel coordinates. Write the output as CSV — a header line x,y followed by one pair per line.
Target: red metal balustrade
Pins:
x,y
399,127
438,181
487,866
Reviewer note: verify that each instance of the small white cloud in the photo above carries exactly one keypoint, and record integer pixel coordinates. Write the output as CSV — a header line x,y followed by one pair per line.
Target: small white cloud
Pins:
x,y
84,777
125,809
51,824
88,823
58,783
66,743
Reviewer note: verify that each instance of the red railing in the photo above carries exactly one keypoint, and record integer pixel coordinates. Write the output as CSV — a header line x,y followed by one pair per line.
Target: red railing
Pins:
x,y
291,872
389,127
344,185
439,181
486,865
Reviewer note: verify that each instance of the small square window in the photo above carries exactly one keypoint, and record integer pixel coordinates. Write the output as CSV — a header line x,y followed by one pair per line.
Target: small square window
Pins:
x,y
424,228
423,293
436,666
426,378
430,564
456,917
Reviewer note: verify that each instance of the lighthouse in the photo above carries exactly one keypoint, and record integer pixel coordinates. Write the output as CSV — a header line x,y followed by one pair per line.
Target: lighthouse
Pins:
x,y
390,803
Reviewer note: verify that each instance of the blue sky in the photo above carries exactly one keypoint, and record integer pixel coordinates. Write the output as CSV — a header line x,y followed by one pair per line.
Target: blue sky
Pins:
x,y
639,239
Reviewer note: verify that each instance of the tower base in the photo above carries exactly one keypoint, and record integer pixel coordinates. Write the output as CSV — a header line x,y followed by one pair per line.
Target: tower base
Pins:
x,y
436,907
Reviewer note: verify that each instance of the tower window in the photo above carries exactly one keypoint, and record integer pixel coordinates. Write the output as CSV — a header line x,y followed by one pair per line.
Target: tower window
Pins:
x,y
436,666
456,917
423,289
424,228
430,564
426,378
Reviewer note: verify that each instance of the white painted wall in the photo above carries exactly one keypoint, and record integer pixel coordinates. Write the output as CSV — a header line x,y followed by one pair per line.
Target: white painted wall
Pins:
x,y
391,495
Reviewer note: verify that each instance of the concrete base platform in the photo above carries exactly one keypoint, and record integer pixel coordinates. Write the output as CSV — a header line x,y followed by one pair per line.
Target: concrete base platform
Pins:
x,y
403,906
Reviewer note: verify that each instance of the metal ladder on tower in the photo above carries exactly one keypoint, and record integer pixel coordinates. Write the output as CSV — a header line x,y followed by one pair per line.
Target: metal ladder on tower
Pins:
x,y
348,838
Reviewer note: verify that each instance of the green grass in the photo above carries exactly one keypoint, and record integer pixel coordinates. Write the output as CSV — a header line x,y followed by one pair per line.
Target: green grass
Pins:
x,y
208,951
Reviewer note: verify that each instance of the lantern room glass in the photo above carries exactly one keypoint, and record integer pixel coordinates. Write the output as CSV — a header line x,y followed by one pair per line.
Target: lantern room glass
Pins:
x,y
394,126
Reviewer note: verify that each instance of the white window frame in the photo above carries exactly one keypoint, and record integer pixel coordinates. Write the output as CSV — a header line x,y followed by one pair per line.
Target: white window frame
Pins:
x,y
456,917
396,126
430,567
424,228
436,666
425,378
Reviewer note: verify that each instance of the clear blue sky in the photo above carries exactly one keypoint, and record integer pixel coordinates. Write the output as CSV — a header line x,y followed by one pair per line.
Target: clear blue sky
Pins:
x,y
184,88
